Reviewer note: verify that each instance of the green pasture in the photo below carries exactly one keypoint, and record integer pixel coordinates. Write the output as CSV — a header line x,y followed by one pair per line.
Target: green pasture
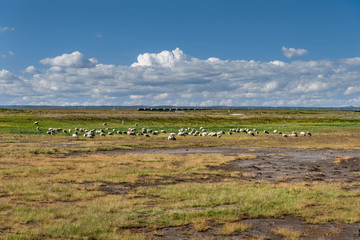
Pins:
x,y
21,122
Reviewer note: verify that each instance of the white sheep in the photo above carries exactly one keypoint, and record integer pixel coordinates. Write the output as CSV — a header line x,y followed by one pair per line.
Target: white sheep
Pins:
x,y
171,137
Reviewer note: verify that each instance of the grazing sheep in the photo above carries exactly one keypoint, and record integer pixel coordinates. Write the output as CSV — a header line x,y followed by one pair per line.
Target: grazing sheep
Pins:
x,y
102,134
37,128
251,133
146,135
284,135
293,134
155,133
266,132
110,133
119,132
308,133
302,134
105,124
64,131
74,135
275,131
171,137
162,131
36,123
212,134
181,134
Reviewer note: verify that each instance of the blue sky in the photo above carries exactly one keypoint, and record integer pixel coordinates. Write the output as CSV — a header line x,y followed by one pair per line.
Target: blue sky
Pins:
x,y
281,53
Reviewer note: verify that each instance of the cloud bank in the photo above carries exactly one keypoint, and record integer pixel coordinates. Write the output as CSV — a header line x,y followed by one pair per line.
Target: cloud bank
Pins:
x,y
174,78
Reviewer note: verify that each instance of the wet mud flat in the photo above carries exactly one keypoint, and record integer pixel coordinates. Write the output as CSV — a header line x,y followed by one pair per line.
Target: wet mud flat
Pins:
x,y
265,229
279,164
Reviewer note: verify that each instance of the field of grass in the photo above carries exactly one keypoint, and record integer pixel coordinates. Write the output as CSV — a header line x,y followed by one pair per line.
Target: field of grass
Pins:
x,y
57,187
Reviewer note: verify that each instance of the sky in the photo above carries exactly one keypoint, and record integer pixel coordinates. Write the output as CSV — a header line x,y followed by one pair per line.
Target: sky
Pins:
x,y
185,53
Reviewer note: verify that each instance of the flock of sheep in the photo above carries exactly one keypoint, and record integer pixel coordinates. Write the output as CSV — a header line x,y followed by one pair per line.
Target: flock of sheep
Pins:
x,y
172,136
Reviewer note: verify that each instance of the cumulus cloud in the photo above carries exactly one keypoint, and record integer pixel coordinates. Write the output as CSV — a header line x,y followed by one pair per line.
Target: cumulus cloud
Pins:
x,y
31,69
74,60
352,90
7,76
293,52
174,78
351,61
163,59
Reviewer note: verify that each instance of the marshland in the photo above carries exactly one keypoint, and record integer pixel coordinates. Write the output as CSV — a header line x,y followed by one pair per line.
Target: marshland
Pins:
x,y
236,186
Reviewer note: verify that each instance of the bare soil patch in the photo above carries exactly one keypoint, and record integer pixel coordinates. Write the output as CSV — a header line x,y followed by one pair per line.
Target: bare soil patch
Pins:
x,y
261,229
279,164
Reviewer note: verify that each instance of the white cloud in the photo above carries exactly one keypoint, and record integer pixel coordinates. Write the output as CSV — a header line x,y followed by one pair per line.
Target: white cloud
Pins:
x,y
7,76
6,29
352,90
74,60
161,96
171,77
292,52
351,61
163,59
31,69
10,54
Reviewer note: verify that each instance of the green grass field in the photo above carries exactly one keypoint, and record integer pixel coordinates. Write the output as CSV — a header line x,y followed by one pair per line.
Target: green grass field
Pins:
x,y
55,187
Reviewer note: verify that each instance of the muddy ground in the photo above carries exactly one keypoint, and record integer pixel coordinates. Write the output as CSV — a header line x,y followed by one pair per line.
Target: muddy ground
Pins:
x,y
272,165
279,164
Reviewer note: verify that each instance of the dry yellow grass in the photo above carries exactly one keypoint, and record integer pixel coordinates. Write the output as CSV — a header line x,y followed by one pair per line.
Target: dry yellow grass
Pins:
x,y
201,224
342,159
287,233
234,227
